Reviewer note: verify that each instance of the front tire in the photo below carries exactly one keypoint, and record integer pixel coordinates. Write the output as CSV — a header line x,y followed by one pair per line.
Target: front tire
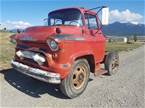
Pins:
x,y
77,80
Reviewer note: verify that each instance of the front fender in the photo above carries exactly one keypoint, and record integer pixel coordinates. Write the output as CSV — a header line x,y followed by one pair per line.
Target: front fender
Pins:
x,y
80,54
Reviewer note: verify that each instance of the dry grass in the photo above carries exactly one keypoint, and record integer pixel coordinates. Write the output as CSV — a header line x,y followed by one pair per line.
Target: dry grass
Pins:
x,y
120,46
6,50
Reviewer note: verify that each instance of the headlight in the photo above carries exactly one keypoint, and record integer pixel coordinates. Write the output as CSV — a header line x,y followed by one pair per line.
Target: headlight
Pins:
x,y
53,45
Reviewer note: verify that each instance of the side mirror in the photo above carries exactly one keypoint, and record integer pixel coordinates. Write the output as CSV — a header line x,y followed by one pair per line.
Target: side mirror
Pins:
x,y
105,16
45,22
13,38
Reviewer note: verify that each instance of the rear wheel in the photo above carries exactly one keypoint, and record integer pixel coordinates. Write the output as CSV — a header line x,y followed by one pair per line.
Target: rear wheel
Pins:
x,y
112,63
75,83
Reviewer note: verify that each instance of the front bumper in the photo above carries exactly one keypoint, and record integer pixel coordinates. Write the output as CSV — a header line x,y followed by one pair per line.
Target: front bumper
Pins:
x,y
39,74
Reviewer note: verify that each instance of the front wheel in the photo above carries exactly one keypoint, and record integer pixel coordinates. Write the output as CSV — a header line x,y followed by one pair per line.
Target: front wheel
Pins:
x,y
75,83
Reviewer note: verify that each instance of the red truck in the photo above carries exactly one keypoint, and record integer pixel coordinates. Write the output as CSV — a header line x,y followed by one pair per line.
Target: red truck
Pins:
x,y
65,51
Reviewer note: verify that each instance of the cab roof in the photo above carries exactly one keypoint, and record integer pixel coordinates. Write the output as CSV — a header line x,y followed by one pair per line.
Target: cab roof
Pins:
x,y
81,9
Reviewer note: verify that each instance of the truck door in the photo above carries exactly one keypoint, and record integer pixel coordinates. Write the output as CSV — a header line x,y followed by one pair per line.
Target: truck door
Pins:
x,y
95,36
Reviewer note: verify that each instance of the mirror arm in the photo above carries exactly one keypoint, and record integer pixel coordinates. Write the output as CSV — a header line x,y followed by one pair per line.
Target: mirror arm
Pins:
x,y
98,30
97,8
101,9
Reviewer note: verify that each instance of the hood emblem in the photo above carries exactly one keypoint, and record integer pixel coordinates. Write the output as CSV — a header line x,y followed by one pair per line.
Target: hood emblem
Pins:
x,y
27,38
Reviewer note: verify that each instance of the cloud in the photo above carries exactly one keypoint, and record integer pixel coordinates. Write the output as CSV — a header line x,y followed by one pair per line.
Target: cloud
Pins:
x,y
125,16
15,25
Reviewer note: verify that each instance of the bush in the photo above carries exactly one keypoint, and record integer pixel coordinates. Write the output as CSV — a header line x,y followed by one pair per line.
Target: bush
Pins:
x,y
135,38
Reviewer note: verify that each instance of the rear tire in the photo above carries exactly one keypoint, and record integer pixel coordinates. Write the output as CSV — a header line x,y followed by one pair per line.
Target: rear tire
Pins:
x,y
77,80
112,63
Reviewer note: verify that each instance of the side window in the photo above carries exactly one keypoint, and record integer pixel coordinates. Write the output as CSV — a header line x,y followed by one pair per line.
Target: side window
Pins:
x,y
91,21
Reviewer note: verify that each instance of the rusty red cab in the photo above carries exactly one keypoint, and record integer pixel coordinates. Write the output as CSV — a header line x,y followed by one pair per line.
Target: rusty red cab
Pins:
x,y
65,51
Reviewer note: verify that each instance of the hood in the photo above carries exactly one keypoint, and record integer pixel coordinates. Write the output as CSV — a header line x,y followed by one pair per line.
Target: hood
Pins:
x,y
42,33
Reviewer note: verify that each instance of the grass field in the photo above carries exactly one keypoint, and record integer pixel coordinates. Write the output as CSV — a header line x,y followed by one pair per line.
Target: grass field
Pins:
x,y
7,49
120,46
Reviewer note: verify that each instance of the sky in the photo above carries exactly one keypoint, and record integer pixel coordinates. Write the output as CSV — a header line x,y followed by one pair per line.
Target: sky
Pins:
x,y
25,13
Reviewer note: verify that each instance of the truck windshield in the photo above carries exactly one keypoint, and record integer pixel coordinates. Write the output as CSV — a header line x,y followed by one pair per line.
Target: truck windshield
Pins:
x,y
68,17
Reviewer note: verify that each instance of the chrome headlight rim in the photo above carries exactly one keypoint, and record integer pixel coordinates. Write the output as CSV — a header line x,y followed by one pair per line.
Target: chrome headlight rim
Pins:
x,y
53,45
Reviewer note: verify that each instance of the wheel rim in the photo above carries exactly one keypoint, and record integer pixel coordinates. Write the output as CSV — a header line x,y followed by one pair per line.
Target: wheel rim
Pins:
x,y
79,76
115,65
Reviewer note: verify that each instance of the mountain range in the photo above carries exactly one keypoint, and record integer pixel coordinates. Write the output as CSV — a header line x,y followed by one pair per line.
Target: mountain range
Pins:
x,y
124,29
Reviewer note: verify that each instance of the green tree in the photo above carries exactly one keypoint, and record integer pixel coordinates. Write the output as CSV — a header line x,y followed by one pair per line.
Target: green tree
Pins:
x,y
135,37
5,29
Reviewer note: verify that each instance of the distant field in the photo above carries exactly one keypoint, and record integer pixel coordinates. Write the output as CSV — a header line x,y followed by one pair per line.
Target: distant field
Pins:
x,y
120,46
7,49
